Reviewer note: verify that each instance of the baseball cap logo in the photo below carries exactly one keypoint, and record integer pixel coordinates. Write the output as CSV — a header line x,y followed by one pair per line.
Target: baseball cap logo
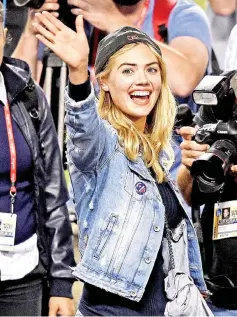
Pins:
x,y
132,37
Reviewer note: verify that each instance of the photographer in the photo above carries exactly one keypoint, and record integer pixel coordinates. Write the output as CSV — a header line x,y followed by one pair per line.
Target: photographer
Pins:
x,y
219,258
222,15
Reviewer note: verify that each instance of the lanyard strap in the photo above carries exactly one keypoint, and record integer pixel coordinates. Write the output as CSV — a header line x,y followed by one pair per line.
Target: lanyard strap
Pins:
x,y
12,148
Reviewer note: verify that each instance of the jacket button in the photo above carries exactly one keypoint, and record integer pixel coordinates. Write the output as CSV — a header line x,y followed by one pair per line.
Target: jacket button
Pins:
x,y
133,293
156,228
31,86
85,239
147,260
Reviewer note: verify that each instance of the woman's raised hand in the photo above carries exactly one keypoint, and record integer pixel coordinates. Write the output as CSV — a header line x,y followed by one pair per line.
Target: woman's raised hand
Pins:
x,y
72,47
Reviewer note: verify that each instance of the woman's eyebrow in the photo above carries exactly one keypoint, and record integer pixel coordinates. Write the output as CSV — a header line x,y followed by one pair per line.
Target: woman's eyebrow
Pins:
x,y
133,64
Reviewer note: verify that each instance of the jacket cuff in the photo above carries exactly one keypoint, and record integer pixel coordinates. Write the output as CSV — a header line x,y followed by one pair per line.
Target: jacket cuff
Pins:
x,y
61,288
79,92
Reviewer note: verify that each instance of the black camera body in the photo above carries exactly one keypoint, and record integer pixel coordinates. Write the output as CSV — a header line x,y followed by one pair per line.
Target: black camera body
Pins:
x,y
217,121
64,11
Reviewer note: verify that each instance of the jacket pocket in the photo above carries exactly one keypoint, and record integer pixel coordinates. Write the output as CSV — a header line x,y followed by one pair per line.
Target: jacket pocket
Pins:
x,y
105,236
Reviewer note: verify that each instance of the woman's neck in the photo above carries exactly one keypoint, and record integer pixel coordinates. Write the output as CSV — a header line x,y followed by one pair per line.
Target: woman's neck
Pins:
x,y
140,123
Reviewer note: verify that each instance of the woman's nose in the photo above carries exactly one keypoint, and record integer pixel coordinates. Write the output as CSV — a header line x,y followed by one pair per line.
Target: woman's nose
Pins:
x,y
142,78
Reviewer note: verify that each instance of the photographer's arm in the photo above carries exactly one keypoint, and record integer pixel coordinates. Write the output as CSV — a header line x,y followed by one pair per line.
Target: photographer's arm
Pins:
x,y
185,183
190,151
223,7
187,53
27,47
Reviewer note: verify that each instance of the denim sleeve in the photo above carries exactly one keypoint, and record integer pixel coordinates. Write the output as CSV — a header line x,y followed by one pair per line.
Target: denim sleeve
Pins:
x,y
188,19
90,140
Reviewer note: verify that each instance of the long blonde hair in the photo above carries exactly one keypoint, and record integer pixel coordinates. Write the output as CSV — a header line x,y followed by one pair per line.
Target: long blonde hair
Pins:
x,y
157,136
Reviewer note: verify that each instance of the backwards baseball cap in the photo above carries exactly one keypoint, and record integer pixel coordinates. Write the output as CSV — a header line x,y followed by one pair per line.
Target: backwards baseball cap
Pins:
x,y
116,40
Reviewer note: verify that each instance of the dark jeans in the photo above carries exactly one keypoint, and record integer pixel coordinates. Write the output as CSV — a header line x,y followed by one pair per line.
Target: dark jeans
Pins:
x,y
21,297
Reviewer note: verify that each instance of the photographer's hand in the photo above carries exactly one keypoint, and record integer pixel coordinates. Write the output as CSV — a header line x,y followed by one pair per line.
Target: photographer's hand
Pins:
x,y
233,172
72,47
102,14
190,149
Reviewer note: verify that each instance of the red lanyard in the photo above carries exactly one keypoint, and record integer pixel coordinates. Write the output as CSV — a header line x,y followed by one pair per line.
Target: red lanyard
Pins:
x,y
12,148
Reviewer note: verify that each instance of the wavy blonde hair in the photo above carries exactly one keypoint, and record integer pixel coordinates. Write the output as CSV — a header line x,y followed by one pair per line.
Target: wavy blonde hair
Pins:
x,y
158,132
1,12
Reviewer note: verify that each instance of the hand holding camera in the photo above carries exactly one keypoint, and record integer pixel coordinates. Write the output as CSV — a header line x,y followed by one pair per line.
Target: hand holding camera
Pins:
x,y
217,121
191,150
102,14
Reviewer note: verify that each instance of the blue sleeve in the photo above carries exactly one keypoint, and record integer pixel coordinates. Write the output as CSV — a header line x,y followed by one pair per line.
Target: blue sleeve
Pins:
x,y
188,19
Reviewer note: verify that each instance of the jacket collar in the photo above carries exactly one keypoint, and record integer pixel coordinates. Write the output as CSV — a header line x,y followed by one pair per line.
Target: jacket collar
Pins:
x,y
16,75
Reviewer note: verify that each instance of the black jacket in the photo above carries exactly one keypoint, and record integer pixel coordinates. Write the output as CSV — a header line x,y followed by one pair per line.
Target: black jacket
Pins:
x,y
53,226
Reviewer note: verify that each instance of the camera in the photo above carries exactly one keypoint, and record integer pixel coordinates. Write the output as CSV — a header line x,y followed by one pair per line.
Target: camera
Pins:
x,y
64,11
217,121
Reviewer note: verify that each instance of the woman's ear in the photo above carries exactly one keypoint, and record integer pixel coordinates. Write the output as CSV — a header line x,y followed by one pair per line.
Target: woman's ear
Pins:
x,y
104,86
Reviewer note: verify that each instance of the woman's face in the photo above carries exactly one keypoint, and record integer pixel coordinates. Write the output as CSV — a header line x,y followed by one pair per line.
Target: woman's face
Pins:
x,y
134,83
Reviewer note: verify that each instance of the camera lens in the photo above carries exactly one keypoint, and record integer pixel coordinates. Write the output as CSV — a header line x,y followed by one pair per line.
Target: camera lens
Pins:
x,y
210,169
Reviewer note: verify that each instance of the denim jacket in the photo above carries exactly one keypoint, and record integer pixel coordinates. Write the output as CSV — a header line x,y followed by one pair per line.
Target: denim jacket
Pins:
x,y
119,209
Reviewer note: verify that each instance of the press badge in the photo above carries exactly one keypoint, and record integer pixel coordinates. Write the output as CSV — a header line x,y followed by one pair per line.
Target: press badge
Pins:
x,y
7,231
225,220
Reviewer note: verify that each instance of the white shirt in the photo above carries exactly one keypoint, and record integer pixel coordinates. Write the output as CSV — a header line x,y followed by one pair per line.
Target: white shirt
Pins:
x,y
231,51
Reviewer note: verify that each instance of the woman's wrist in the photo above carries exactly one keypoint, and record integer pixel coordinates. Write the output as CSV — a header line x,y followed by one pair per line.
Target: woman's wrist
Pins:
x,y
79,75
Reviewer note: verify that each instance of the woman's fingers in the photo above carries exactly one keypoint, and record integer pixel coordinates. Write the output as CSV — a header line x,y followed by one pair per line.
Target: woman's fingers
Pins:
x,y
60,26
48,20
48,35
45,24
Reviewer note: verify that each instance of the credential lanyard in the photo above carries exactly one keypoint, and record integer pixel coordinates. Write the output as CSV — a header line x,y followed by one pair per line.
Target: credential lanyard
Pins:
x,y
12,148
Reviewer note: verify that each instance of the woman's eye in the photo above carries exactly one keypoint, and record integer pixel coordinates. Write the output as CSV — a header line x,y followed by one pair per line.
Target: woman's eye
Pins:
x,y
152,70
127,71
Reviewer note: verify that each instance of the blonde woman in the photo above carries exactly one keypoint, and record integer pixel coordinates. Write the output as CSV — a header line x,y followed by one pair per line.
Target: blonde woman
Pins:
x,y
119,154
